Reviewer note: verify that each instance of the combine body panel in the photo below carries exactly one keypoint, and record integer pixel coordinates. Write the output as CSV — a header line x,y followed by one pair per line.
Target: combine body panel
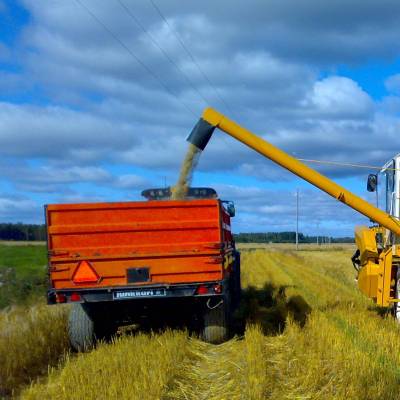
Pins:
x,y
377,259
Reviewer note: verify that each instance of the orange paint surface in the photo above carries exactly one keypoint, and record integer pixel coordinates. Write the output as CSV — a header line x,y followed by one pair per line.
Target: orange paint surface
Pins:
x,y
179,241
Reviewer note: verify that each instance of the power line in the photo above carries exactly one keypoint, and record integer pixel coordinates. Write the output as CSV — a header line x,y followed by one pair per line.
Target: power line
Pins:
x,y
189,53
167,89
156,44
346,164
132,54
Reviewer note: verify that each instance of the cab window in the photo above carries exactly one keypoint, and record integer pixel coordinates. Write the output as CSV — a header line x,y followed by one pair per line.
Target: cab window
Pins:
x,y
389,188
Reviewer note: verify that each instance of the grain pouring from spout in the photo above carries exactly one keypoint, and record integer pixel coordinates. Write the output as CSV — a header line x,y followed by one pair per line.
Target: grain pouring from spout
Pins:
x,y
198,140
180,190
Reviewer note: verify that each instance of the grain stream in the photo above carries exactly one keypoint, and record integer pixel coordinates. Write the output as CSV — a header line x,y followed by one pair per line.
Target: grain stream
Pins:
x,y
180,190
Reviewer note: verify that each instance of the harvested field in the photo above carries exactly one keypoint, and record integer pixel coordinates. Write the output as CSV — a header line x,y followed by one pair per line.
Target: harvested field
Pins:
x,y
309,335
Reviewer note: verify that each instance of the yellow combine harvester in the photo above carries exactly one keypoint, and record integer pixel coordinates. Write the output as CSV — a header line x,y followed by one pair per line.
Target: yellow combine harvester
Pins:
x,y
377,259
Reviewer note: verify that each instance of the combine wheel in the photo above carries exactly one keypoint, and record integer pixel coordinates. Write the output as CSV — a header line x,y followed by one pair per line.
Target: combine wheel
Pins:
x,y
86,325
216,320
396,306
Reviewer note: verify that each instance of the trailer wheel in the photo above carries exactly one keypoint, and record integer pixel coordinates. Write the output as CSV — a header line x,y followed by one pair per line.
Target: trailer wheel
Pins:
x,y
81,329
87,325
216,321
236,285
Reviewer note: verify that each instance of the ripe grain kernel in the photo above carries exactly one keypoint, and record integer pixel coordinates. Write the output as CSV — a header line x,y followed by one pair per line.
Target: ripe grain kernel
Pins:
x,y
179,191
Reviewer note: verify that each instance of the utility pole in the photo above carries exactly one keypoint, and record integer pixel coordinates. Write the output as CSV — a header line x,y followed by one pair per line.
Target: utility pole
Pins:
x,y
297,219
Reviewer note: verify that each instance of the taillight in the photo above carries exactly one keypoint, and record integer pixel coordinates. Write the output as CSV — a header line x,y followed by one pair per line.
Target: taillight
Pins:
x,y
202,289
218,288
85,273
61,298
75,297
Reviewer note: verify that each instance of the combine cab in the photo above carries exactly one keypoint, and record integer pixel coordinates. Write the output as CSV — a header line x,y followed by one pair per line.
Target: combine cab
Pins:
x,y
118,261
377,258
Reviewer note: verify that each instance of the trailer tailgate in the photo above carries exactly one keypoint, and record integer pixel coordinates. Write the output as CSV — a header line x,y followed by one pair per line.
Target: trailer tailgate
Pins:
x,y
129,243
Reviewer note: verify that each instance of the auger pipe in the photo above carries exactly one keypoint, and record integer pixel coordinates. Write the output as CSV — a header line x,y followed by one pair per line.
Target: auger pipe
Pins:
x,y
212,119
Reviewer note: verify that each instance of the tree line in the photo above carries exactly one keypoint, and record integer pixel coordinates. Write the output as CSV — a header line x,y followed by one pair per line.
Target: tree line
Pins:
x,y
20,231
287,237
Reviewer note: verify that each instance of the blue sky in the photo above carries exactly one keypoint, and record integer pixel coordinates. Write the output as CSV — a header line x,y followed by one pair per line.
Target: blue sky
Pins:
x,y
82,120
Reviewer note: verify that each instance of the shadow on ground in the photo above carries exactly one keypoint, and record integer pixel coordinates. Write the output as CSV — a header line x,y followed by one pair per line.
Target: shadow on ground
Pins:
x,y
383,312
269,307
171,315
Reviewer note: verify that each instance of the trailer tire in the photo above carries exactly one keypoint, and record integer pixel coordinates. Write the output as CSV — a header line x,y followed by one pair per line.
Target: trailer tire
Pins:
x,y
81,329
216,322
89,323
236,281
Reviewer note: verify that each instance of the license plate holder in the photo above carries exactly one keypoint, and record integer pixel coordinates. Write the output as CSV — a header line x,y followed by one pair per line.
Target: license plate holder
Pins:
x,y
138,294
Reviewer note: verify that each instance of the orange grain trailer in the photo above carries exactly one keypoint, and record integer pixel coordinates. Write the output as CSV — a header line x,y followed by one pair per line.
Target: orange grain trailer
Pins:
x,y
116,261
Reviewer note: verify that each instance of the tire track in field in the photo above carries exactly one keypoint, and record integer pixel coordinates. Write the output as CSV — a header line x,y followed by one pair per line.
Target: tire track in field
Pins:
x,y
212,373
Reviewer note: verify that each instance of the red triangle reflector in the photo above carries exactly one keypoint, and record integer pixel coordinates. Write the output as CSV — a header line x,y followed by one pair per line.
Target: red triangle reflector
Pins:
x,y
85,273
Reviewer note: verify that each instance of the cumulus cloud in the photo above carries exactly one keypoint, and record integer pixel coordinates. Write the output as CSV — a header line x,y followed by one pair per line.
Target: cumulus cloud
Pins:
x,y
130,181
57,132
61,179
264,210
18,208
93,106
340,97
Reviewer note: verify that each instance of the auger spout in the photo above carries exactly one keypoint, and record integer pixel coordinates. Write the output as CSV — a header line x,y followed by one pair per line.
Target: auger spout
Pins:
x,y
212,119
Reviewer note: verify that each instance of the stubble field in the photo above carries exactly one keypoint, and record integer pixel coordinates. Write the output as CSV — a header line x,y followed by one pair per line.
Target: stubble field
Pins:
x,y
309,334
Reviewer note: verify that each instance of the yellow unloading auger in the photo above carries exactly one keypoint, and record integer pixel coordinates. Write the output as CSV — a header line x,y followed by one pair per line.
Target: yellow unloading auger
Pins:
x,y
378,256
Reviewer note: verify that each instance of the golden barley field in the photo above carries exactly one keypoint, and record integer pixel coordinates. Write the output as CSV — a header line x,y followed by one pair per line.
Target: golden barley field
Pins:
x,y
309,334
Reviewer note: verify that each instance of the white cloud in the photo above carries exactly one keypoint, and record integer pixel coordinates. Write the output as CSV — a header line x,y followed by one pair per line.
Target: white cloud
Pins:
x,y
340,97
96,107
130,181
18,209
265,210
61,179
58,132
